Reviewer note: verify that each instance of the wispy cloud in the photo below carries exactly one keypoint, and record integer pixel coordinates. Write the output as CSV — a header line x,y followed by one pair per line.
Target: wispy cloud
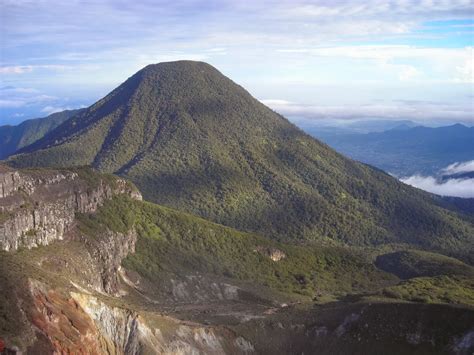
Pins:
x,y
26,100
16,69
22,69
453,64
456,168
53,109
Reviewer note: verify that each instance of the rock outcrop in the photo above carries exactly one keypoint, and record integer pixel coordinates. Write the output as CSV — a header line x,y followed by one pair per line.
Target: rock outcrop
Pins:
x,y
108,251
127,332
81,323
38,206
273,253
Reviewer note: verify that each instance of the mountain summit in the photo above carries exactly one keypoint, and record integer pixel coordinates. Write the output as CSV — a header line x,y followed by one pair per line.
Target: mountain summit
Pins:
x,y
192,139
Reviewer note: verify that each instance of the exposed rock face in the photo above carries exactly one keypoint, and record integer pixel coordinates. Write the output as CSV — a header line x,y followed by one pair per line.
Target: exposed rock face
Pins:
x,y
108,251
37,207
119,327
128,333
82,324
273,253
64,327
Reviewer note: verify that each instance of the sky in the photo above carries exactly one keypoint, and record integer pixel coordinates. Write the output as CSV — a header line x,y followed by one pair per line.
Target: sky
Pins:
x,y
313,61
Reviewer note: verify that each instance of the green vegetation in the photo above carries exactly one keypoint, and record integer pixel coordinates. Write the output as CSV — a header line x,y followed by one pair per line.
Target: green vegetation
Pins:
x,y
409,264
193,140
439,289
172,242
13,138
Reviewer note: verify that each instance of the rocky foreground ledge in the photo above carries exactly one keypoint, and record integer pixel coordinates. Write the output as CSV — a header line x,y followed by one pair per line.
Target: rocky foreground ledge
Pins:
x,y
38,206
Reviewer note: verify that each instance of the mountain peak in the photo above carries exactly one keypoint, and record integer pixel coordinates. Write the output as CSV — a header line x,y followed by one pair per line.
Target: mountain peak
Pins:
x,y
192,139
179,64
177,71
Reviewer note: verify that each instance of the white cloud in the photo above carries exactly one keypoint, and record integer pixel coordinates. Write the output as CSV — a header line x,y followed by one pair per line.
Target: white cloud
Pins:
x,y
414,110
452,187
465,71
456,168
20,97
407,72
449,64
14,90
277,103
380,8
22,69
16,69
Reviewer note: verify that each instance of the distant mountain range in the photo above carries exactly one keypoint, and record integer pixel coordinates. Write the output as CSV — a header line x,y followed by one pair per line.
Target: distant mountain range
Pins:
x,y
404,150
13,138
356,126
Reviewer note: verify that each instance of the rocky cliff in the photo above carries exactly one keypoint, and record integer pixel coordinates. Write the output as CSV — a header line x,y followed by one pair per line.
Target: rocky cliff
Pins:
x,y
38,206
70,297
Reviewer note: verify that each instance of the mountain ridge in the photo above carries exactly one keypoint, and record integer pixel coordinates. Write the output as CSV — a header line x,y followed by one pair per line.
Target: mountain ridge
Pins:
x,y
27,132
193,140
411,151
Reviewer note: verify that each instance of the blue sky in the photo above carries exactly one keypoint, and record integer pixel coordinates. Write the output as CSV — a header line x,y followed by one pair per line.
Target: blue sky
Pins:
x,y
311,60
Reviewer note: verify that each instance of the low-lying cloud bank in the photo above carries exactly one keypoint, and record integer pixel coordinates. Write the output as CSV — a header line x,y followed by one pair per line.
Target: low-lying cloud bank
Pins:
x,y
457,168
396,110
458,187
453,187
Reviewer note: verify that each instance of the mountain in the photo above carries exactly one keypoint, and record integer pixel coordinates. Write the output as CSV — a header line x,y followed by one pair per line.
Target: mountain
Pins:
x,y
87,267
193,140
408,151
323,128
356,126
13,138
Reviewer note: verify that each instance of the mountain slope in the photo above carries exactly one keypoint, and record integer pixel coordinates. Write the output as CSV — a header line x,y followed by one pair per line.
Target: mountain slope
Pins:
x,y
125,276
13,138
192,139
410,151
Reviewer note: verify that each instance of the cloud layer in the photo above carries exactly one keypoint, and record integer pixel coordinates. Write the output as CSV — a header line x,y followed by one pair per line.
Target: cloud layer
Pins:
x,y
401,109
452,187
